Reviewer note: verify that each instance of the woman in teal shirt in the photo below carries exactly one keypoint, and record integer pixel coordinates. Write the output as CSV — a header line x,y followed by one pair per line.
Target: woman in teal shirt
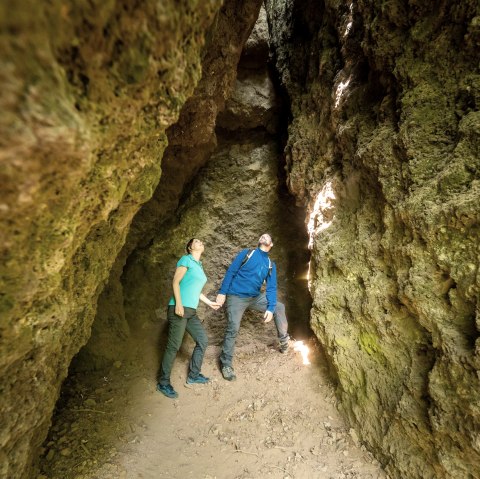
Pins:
x,y
188,282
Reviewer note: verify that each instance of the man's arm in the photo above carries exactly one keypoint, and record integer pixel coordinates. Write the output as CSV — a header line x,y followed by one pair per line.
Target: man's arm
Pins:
x,y
232,271
272,289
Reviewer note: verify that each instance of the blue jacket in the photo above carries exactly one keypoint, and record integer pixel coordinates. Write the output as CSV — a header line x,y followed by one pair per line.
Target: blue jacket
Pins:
x,y
245,281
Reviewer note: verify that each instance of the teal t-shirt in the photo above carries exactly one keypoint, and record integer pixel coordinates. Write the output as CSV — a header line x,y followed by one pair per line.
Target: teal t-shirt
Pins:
x,y
192,283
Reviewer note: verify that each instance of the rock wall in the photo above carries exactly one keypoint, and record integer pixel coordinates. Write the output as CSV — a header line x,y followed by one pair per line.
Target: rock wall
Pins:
x,y
88,90
383,148
191,142
233,199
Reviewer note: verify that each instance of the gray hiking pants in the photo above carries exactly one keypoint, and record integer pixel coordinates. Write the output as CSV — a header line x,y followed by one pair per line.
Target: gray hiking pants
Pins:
x,y
236,306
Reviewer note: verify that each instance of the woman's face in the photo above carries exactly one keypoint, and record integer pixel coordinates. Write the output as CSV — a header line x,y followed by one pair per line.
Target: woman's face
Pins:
x,y
197,245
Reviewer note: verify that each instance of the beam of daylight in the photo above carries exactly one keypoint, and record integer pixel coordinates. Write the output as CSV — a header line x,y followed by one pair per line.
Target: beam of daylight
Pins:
x,y
303,350
318,221
341,88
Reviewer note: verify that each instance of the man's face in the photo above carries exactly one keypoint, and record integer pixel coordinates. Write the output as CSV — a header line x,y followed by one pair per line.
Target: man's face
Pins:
x,y
266,241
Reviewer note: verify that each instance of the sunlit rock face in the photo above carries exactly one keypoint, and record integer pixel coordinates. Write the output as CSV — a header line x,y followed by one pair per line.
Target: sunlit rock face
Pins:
x,y
234,199
383,147
191,141
88,90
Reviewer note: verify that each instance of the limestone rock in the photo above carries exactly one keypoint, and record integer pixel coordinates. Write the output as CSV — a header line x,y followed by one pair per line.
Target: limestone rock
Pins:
x,y
232,200
383,149
256,50
191,141
88,90
251,105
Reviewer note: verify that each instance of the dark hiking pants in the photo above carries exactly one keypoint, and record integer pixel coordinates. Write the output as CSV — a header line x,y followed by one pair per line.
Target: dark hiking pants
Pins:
x,y
176,330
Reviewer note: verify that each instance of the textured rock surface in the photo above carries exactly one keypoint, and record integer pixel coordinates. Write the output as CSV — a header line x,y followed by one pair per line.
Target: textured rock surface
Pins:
x,y
235,198
253,103
191,141
88,89
384,149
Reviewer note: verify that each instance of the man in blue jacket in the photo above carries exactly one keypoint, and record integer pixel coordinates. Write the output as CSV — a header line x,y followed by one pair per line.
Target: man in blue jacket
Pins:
x,y
241,288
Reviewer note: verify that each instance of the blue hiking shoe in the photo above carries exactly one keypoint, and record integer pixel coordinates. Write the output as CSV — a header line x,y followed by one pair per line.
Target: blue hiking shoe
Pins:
x,y
167,390
200,379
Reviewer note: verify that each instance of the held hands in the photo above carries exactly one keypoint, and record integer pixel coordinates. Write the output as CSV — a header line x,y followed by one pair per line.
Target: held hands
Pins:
x,y
220,299
268,316
179,311
214,305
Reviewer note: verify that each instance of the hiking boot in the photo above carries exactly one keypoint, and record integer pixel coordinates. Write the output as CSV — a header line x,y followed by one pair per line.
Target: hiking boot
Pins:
x,y
200,379
167,390
228,373
285,346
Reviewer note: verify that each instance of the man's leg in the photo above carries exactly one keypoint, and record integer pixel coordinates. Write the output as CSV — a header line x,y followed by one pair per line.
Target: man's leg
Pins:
x,y
176,330
197,332
235,308
279,316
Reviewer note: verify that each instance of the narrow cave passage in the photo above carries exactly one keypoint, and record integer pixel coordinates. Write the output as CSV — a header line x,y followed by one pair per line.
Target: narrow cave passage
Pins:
x,y
130,127
279,418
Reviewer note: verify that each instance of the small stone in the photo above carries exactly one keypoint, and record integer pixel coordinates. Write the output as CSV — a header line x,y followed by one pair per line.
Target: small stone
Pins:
x,y
354,436
117,364
50,455
90,402
66,452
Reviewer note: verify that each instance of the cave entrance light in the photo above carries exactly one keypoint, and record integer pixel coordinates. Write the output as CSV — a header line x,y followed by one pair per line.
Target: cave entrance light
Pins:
x,y
303,349
322,215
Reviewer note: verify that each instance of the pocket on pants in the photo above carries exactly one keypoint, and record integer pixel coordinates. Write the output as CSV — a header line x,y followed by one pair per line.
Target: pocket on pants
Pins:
x,y
189,313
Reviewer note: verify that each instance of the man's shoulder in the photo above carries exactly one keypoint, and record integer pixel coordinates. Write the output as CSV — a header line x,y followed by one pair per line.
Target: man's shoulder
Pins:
x,y
243,252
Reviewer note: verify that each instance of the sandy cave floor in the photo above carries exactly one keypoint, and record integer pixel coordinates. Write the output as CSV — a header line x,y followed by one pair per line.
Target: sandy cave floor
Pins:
x,y
278,420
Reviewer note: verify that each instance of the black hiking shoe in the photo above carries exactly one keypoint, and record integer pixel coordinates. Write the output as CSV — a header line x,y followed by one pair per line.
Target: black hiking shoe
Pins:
x,y
228,373
286,345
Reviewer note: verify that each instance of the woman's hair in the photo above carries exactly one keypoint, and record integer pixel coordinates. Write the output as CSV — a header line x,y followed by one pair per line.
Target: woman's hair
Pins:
x,y
188,248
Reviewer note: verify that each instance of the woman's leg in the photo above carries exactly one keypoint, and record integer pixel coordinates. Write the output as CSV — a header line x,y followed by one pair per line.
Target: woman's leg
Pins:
x,y
197,332
176,330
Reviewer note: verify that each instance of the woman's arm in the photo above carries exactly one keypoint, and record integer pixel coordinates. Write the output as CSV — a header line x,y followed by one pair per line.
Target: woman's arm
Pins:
x,y
177,277
212,304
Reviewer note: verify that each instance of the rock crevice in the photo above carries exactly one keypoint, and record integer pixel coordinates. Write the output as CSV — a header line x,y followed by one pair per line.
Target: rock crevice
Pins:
x,y
380,152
